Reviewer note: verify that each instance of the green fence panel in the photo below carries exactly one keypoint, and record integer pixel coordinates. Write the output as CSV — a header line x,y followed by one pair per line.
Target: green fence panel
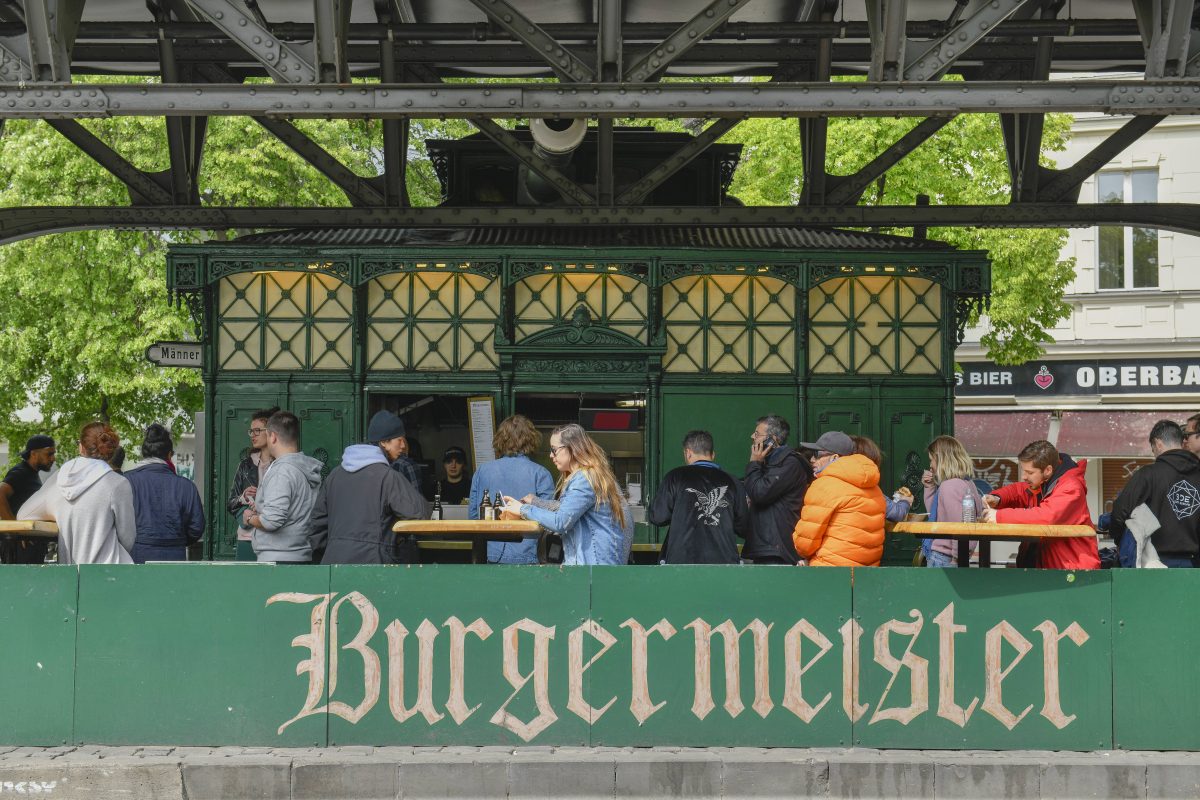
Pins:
x,y
699,655
1156,647
452,654
189,654
37,617
995,659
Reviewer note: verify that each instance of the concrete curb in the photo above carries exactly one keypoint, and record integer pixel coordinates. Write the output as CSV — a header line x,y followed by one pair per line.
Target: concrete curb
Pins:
x,y
391,773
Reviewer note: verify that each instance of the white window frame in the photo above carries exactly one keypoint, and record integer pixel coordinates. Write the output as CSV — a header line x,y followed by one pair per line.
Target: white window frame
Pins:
x,y
1126,230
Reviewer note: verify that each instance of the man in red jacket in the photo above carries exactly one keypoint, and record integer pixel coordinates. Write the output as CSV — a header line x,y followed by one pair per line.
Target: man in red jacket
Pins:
x,y
1053,493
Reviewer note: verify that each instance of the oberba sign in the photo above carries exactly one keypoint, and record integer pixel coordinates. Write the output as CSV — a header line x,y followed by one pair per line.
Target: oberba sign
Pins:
x,y
1101,376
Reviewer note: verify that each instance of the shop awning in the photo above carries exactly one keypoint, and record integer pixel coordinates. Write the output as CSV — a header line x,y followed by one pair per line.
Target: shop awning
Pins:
x,y
1097,434
999,433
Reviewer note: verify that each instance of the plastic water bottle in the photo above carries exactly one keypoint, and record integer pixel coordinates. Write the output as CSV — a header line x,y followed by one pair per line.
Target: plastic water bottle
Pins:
x,y
968,508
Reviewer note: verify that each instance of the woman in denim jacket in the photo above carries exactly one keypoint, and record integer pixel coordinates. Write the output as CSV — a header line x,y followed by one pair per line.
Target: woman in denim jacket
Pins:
x,y
590,516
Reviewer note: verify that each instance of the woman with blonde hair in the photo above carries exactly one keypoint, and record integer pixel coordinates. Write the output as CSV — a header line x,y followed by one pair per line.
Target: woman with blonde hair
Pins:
x,y
92,505
947,482
590,515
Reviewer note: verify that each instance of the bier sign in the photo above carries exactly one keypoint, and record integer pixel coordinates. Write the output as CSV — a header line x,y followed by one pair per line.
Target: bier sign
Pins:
x,y
175,354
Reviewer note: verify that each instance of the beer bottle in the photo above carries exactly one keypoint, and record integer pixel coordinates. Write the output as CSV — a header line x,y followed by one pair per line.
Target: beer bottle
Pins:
x,y
497,504
485,507
437,503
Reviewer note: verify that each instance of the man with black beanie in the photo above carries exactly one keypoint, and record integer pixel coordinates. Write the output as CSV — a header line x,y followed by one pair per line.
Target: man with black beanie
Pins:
x,y
166,507
360,501
20,484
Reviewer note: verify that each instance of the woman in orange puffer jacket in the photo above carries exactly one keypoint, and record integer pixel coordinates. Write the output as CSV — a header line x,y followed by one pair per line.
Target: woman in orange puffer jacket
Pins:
x,y
841,522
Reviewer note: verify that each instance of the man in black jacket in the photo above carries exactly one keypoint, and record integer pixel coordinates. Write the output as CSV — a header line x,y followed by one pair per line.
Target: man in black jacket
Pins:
x,y
1170,487
704,506
775,481
361,499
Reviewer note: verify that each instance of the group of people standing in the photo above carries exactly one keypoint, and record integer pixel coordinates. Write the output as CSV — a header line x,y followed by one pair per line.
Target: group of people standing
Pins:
x,y
289,515
821,504
104,515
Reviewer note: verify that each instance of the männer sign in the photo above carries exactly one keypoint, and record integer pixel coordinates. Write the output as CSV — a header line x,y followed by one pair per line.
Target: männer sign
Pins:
x,y
1091,377
176,354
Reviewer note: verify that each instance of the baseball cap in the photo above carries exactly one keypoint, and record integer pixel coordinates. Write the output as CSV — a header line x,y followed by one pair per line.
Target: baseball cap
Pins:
x,y
37,442
832,442
455,453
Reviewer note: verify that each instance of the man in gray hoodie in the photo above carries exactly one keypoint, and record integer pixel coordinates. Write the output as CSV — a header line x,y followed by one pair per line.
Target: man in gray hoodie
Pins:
x,y
362,498
279,516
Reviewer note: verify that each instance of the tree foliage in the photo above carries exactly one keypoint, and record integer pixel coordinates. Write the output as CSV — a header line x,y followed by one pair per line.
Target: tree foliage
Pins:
x,y
78,310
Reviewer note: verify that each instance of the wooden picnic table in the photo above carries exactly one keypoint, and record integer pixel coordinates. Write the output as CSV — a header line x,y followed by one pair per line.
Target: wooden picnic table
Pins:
x,y
477,531
985,533
31,528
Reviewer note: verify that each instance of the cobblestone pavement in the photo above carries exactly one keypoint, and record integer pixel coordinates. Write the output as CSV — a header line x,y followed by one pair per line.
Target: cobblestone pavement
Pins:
x,y
366,773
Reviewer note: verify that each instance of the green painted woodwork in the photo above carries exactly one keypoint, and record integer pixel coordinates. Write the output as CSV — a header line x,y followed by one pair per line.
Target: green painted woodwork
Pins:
x,y
38,619
225,654
858,340
728,414
1155,651
1021,611
191,654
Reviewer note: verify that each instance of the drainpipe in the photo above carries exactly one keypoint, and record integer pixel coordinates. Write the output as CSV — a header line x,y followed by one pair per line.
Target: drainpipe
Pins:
x,y
555,141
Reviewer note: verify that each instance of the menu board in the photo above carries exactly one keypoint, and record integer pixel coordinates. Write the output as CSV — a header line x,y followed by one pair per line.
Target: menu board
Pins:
x,y
482,414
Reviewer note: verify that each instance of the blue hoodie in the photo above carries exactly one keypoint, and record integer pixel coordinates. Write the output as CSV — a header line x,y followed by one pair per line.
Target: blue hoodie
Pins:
x,y
357,456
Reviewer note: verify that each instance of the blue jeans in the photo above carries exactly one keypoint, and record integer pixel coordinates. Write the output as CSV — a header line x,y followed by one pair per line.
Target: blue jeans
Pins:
x,y
1177,561
935,558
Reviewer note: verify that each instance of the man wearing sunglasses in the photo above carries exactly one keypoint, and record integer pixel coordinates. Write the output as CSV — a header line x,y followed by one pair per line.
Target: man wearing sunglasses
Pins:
x,y
1191,434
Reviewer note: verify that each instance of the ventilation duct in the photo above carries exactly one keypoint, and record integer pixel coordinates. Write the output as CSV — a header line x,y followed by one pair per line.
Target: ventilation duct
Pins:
x,y
555,141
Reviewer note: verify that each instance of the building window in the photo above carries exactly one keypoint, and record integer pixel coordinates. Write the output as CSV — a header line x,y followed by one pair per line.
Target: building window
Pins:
x,y
1128,257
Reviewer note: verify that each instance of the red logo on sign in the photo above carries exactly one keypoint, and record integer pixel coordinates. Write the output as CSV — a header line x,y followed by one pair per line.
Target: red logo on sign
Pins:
x,y
1043,379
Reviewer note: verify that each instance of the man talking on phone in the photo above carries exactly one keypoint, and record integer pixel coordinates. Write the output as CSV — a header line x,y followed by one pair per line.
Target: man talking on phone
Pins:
x,y
775,482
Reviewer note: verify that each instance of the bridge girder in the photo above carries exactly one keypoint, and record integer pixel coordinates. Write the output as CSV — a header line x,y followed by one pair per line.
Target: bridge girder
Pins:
x,y
606,65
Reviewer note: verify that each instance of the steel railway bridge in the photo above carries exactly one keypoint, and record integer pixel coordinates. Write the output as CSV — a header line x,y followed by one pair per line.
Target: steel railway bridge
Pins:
x,y
600,60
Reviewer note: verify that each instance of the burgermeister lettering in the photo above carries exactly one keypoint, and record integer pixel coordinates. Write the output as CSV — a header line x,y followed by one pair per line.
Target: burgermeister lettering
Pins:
x,y
534,673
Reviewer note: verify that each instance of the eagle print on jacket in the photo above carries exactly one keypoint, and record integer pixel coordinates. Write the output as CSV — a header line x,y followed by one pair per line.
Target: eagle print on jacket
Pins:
x,y
709,505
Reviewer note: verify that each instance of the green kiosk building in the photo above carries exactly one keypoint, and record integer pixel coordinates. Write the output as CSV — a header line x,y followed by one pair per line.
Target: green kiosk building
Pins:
x,y
639,333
